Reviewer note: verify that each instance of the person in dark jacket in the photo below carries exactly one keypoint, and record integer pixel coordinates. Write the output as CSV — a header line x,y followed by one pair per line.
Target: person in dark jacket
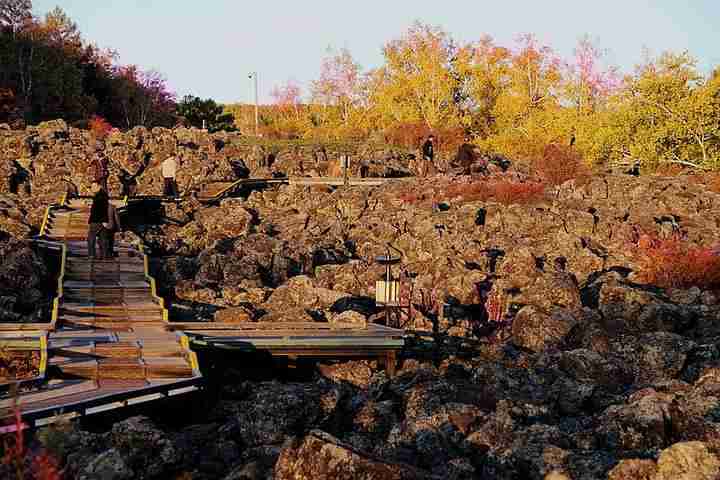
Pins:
x,y
98,216
427,166
428,149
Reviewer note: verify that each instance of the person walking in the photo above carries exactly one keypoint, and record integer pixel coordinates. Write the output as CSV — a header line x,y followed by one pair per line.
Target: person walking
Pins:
x,y
169,170
110,228
98,216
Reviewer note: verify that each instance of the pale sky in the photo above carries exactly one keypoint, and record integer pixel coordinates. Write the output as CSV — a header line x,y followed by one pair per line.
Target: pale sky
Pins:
x,y
208,47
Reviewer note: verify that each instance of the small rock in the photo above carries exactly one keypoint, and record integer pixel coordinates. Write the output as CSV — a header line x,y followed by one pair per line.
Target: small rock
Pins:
x,y
685,297
233,315
349,319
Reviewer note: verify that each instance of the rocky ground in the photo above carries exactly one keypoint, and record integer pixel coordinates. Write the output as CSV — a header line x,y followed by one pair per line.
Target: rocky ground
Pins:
x,y
589,372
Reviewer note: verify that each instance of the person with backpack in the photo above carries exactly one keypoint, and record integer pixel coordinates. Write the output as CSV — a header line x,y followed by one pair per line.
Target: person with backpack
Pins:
x,y
98,216
110,228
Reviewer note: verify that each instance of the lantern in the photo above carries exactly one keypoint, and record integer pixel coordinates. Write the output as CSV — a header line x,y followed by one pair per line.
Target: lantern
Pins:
x,y
387,292
387,288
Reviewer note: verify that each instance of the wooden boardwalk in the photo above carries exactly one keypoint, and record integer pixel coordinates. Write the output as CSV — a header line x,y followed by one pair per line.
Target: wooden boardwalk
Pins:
x,y
110,338
110,343
217,190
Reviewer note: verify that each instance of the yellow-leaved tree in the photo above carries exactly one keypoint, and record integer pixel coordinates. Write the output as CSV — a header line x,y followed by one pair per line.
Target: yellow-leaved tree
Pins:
x,y
527,107
667,113
417,82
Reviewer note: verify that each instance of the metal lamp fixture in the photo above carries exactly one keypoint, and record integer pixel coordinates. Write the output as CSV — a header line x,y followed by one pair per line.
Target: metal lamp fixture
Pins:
x,y
387,288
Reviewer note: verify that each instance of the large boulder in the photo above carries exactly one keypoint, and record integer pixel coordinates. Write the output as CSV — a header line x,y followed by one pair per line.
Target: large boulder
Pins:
x,y
319,456
230,220
688,461
536,330
653,357
145,449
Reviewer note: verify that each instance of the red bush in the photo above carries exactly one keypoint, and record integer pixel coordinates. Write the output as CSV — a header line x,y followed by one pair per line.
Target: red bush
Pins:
x,y
673,263
511,192
99,126
560,163
507,192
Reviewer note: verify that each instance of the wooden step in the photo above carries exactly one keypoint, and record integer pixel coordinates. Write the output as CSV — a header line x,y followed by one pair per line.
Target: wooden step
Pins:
x,y
122,384
121,369
70,354
168,367
166,347
81,369
118,350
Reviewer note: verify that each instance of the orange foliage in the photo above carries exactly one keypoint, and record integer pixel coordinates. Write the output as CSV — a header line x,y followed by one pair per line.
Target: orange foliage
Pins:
x,y
99,126
560,163
673,263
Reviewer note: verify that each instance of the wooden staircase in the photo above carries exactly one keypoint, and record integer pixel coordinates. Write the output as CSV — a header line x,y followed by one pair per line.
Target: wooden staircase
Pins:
x,y
111,335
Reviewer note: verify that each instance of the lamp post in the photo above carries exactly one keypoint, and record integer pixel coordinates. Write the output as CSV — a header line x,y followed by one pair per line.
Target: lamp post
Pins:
x,y
254,75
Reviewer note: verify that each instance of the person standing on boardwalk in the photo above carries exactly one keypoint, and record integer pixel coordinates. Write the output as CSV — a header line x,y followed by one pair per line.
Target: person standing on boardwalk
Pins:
x,y
110,228
98,216
169,170
100,169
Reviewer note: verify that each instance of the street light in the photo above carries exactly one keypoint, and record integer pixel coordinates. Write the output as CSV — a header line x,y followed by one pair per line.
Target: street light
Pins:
x,y
254,75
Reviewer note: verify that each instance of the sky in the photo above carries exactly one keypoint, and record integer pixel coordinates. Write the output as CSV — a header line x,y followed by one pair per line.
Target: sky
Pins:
x,y
207,47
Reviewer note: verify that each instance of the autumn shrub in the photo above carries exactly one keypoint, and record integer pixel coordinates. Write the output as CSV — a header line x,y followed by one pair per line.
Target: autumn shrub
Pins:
x,y
517,192
674,263
560,163
99,126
